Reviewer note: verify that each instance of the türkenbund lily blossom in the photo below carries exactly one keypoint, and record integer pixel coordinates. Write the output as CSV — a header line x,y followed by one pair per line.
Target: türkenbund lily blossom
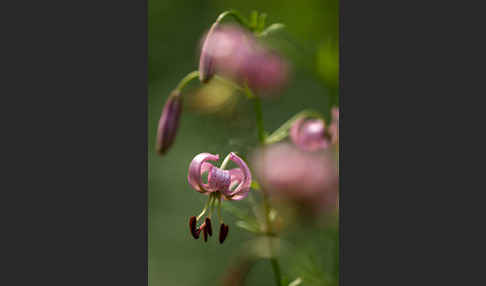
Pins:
x,y
233,184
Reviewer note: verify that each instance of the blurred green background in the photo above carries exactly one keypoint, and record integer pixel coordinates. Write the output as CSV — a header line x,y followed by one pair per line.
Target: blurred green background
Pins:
x,y
175,27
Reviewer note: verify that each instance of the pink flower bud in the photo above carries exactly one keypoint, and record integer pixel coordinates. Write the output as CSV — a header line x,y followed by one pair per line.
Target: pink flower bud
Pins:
x,y
236,53
206,60
169,122
309,134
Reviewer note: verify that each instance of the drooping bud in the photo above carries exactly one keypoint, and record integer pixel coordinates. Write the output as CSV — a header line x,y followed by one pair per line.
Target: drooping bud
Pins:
x,y
206,59
169,122
208,226
223,232
235,53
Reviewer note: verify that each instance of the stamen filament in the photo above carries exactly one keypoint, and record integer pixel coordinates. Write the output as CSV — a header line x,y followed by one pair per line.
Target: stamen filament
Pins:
x,y
205,208
219,210
211,204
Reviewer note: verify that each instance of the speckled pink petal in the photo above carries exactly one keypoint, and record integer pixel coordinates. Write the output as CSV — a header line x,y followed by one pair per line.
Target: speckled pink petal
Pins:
x,y
236,177
245,181
218,180
196,168
241,195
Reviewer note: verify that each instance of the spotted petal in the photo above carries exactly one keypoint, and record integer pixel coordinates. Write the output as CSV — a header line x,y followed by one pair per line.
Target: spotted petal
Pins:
x,y
244,177
218,180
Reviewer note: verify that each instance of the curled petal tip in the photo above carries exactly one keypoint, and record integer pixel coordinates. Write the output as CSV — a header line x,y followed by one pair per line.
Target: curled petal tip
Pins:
x,y
196,169
243,177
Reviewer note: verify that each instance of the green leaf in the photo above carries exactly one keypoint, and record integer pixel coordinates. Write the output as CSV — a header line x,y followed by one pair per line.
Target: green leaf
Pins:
x,y
249,226
296,282
237,212
272,29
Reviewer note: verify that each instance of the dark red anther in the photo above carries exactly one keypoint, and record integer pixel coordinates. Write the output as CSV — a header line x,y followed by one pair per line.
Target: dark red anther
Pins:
x,y
192,227
223,232
208,226
196,233
205,231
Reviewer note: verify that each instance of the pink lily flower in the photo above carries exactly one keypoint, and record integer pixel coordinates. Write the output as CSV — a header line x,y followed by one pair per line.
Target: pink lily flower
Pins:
x,y
233,184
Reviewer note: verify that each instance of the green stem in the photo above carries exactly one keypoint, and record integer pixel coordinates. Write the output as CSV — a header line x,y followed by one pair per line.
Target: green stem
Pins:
x,y
219,210
266,203
269,233
276,271
190,76
205,208
259,120
229,82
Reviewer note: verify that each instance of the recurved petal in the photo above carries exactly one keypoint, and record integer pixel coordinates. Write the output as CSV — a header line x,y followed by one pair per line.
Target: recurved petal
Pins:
x,y
195,171
241,195
245,177
236,177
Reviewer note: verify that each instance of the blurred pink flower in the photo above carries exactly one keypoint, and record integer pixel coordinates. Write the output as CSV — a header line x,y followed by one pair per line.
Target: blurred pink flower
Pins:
x,y
309,134
334,126
309,179
234,184
236,53
312,134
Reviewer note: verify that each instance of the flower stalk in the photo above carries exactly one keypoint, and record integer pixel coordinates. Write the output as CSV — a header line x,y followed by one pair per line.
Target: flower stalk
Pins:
x,y
185,80
266,202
